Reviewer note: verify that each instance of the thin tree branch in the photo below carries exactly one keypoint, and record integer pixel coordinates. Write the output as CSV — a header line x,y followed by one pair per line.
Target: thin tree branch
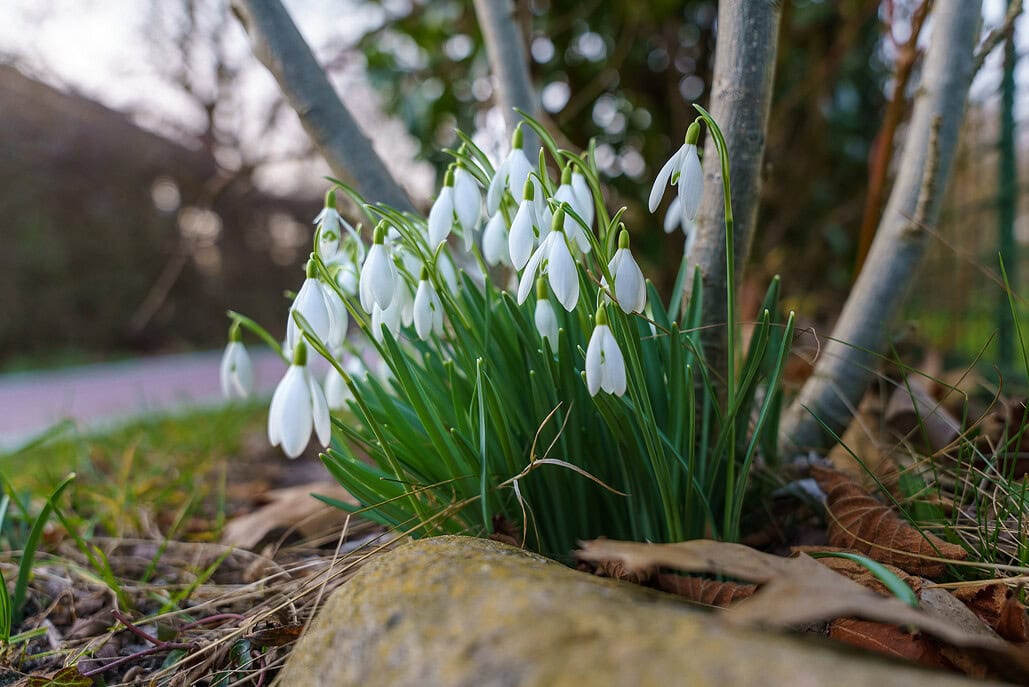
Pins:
x,y
279,46
508,62
998,35
748,33
882,152
843,370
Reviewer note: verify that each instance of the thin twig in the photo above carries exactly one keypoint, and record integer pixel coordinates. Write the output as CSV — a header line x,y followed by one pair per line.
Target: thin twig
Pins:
x,y
998,35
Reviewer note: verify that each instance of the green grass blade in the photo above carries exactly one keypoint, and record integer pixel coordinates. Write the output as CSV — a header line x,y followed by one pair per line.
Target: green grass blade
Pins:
x,y
28,555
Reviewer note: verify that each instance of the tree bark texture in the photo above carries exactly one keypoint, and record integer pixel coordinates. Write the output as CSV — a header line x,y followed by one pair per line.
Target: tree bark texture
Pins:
x,y
509,63
745,55
846,363
277,43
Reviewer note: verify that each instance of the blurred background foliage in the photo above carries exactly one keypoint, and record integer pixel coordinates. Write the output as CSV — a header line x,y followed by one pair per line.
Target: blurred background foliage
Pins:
x,y
625,74
133,231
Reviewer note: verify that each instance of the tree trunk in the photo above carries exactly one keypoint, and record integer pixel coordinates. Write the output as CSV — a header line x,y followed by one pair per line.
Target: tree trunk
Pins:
x,y
843,369
279,46
748,34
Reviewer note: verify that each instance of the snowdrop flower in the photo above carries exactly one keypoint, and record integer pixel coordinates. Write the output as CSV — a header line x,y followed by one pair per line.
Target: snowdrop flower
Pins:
x,y
390,318
605,367
321,307
554,258
298,406
630,286
566,194
337,393
428,311
495,242
546,319
441,215
684,169
585,197
510,175
467,203
329,224
378,275
673,217
236,372
525,228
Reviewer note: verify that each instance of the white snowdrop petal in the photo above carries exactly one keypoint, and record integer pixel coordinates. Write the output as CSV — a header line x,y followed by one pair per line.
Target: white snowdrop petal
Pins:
x,y
236,373
291,407
518,170
546,322
423,310
691,184
441,217
584,196
336,391
529,275
521,239
467,202
613,378
663,176
673,218
594,359
630,286
380,276
319,410
497,186
564,277
495,249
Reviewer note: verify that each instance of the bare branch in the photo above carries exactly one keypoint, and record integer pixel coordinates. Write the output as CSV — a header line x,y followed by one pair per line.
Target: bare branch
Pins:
x,y
741,97
844,369
998,35
279,46
508,62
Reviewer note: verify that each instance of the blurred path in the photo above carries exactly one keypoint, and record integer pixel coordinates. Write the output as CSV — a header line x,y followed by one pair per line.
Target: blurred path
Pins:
x,y
94,396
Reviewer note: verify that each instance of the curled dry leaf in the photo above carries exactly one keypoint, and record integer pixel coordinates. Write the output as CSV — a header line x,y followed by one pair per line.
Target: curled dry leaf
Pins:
x,y
860,522
291,507
858,572
703,591
795,591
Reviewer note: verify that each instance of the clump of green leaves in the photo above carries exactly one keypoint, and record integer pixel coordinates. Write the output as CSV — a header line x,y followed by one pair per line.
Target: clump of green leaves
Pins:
x,y
489,421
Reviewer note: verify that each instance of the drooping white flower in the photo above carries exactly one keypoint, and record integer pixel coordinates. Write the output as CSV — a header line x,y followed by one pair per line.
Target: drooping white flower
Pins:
x,y
467,203
525,229
510,175
545,318
298,406
584,196
630,286
378,274
495,242
236,371
673,216
428,310
441,215
553,257
566,194
684,169
337,393
390,318
605,366
321,307
330,223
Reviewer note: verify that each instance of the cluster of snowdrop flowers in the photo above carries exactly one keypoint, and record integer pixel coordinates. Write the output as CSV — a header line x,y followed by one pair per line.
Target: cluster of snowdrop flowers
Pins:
x,y
538,236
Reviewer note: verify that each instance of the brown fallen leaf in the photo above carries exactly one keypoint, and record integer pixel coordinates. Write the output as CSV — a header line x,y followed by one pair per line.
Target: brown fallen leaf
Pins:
x,y
795,591
1013,623
703,591
65,677
985,600
888,639
292,507
860,522
858,572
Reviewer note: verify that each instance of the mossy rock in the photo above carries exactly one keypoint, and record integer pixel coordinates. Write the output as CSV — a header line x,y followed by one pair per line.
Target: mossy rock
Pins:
x,y
466,612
